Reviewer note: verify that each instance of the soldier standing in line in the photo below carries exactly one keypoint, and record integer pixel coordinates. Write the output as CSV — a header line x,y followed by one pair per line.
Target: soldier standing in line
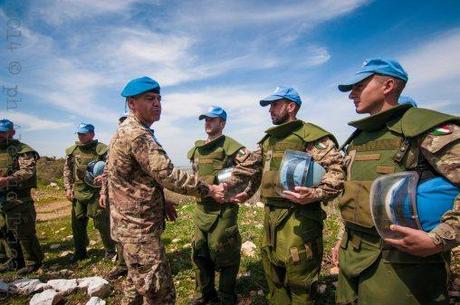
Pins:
x,y
17,177
138,171
292,249
216,243
392,139
85,197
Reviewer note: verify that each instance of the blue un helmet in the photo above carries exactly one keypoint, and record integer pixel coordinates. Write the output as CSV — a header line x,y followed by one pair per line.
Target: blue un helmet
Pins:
x,y
403,199
94,169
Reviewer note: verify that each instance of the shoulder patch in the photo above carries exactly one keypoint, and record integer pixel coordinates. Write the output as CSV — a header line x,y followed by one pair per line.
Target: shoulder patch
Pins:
x,y
320,145
441,130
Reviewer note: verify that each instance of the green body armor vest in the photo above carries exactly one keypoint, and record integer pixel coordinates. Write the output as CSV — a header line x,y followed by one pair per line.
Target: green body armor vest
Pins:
x,y
82,155
209,158
294,136
386,143
9,154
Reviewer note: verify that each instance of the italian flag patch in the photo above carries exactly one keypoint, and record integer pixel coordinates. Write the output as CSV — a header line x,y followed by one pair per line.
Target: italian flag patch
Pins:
x,y
241,153
441,130
320,145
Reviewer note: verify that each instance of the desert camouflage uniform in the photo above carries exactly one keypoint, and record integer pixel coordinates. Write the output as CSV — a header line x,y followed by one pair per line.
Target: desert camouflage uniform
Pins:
x,y
138,170
292,249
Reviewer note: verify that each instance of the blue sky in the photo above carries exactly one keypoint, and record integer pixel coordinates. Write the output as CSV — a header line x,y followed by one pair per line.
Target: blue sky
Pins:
x,y
76,56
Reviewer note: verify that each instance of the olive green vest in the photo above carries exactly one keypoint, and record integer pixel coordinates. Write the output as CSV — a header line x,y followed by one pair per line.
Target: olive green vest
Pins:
x,y
294,136
209,158
9,153
385,143
82,154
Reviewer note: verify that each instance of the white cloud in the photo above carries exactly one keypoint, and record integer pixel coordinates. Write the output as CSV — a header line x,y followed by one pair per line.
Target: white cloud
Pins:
x,y
435,60
31,122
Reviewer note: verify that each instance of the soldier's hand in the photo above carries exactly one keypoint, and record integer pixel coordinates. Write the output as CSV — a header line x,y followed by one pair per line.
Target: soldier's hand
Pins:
x,y
301,195
240,197
103,201
217,192
415,242
69,195
98,180
171,212
3,182
335,253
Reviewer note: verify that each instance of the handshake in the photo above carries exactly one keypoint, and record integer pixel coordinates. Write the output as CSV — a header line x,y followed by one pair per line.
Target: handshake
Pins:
x,y
221,194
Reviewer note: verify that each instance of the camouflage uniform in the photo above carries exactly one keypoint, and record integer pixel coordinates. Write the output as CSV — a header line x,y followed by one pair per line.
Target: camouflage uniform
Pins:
x,y
217,242
293,246
85,203
120,263
138,170
17,163
398,139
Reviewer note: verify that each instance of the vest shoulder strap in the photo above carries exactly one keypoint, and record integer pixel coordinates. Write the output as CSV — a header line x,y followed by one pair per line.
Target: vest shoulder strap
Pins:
x,y
310,132
69,150
101,149
231,146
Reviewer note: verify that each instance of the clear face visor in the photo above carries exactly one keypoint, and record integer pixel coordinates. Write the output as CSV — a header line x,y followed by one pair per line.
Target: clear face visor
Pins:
x,y
298,168
223,176
393,201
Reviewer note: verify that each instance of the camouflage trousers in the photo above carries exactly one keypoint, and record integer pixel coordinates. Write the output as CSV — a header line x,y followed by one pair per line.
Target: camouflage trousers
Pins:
x,y
370,273
149,280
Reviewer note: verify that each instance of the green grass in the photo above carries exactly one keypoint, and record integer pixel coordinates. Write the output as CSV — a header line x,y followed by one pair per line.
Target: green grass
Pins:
x,y
251,276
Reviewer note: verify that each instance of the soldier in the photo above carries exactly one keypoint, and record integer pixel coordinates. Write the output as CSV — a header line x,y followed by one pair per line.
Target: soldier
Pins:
x,y
217,242
85,197
292,249
392,139
120,268
17,177
138,170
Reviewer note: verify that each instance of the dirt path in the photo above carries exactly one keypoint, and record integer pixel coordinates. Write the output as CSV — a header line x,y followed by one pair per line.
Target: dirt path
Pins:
x,y
53,210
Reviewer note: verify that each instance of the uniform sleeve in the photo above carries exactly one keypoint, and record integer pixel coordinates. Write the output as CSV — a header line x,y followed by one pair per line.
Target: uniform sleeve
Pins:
x,y
105,182
248,171
441,148
68,175
156,163
325,152
27,162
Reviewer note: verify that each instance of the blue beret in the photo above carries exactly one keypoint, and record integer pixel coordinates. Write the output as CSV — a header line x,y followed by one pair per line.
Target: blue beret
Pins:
x,y
140,85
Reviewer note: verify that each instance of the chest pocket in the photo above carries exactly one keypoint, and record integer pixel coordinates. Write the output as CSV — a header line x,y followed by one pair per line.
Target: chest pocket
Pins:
x,y
371,155
81,162
6,164
209,163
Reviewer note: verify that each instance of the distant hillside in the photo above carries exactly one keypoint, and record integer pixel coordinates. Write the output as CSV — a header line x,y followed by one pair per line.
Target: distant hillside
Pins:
x,y
50,169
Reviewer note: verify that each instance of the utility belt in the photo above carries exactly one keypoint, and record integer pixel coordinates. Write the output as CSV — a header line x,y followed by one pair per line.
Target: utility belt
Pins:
x,y
355,236
287,204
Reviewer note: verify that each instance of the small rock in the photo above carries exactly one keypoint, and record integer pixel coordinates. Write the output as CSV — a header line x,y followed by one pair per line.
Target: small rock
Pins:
x,y
334,270
69,237
95,286
4,287
65,253
95,301
259,204
92,242
186,246
54,246
47,297
259,226
175,240
27,286
260,292
63,287
248,248
321,288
